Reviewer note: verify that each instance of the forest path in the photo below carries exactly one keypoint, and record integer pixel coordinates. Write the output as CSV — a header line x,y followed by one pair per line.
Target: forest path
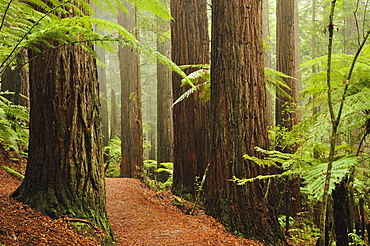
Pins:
x,y
140,216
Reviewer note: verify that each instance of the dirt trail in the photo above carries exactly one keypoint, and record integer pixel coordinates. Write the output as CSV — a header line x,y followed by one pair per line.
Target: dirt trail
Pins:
x,y
140,216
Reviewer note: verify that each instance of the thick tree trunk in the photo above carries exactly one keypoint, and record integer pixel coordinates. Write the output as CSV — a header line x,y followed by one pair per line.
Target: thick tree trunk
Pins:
x,y
190,45
239,124
64,173
131,120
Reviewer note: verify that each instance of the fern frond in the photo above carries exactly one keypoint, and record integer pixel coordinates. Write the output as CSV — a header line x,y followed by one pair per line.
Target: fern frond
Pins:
x,y
152,6
203,66
314,176
187,93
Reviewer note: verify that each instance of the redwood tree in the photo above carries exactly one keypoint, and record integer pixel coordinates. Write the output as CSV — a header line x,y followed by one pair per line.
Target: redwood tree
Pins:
x,y
190,45
16,81
164,99
238,123
102,78
64,173
131,120
287,62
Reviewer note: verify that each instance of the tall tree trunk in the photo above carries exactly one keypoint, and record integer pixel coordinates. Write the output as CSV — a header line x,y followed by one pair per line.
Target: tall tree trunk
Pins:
x,y
17,82
239,124
64,173
190,45
151,138
286,56
164,101
113,115
102,78
267,59
131,120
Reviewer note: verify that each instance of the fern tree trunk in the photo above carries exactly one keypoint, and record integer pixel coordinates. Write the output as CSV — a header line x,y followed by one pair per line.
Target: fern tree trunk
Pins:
x,y
238,123
190,45
64,173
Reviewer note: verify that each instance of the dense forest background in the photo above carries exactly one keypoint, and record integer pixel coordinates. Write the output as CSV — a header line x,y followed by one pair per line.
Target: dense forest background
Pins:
x,y
268,132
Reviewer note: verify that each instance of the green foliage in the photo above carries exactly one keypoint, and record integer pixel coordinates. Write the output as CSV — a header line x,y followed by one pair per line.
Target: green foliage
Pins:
x,y
356,239
177,201
310,169
113,152
151,169
200,80
46,27
14,173
13,126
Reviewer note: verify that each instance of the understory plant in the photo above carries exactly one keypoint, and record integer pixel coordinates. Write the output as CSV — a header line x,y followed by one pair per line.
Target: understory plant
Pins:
x,y
112,153
200,80
13,127
331,143
151,171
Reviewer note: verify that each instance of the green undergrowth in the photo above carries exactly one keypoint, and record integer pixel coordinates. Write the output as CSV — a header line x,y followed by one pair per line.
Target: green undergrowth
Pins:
x,y
13,173
157,176
88,230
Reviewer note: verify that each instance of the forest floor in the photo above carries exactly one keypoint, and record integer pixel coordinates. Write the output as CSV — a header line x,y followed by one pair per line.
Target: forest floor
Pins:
x,y
139,216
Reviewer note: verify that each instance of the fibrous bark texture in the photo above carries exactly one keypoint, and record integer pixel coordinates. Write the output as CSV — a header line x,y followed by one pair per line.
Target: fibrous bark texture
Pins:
x,y
65,167
131,117
287,62
164,100
190,45
238,123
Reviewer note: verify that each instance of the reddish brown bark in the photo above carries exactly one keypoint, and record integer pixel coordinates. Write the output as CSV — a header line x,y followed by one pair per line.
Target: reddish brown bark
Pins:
x,y
131,118
238,123
190,45
287,63
65,167
164,100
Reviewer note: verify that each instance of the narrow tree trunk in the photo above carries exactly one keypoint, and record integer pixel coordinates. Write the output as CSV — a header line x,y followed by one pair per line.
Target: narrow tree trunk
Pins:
x,y
164,100
286,62
151,138
190,45
64,173
113,115
102,77
267,60
131,120
239,124
17,82
285,110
